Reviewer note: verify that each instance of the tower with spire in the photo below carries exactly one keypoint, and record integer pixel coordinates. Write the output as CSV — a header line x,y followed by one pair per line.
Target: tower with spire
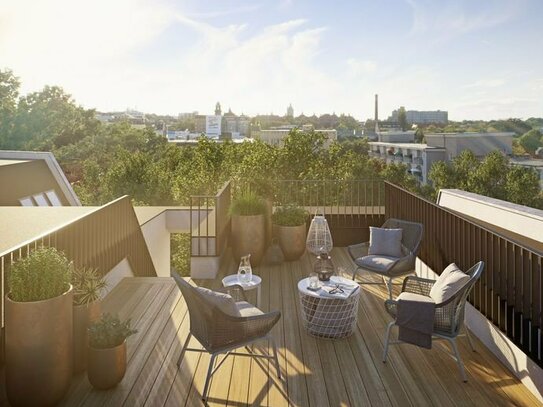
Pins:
x,y
290,111
218,111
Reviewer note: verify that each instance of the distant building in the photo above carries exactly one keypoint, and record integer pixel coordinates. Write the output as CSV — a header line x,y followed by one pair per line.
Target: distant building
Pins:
x,y
481,144
238,126
422,117
218,109
290,111
276,137
534,163
440,147
187,115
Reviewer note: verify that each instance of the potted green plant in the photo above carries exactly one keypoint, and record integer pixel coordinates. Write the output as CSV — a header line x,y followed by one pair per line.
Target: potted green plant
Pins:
x,y
107,351
290,228
38,328
88,288
248,226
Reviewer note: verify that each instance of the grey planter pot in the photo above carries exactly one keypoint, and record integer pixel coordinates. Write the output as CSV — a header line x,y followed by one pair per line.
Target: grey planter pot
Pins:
x,y
249,237
38,350
291,240
83,316
106,367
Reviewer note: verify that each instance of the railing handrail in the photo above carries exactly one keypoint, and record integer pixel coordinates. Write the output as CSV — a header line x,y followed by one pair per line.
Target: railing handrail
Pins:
x,y
468,220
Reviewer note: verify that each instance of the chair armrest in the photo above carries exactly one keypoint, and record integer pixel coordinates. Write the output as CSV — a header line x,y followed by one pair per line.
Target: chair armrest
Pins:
x,y
235,291
417,285
358,250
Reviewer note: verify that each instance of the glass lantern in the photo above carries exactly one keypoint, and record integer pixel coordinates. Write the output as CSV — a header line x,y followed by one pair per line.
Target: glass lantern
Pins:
x,y
324,267
319,238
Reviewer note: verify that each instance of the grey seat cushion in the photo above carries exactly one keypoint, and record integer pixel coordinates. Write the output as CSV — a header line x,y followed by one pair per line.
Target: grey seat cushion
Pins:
x,y
223,301
246,309
385,242
377,263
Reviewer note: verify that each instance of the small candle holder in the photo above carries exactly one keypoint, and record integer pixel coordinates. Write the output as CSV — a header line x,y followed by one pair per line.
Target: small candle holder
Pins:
x,y
324,267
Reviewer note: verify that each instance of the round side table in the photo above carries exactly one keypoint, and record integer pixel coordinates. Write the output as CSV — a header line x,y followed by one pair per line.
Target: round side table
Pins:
x,y
255,283
327,315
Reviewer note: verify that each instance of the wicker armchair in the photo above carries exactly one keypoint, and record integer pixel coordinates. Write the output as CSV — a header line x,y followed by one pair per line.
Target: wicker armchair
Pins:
x,y
391,267
449,315
221,333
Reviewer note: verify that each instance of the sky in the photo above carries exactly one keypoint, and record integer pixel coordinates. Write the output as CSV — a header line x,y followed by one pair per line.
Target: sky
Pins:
x,y
475,59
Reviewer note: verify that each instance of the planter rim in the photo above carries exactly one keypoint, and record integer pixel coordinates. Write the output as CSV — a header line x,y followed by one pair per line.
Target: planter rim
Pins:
x,y
289,226
107,349
70,289
86,305
248,216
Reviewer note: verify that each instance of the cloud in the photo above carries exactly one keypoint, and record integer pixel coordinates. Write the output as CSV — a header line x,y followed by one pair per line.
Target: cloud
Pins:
x,y
486,83
443,20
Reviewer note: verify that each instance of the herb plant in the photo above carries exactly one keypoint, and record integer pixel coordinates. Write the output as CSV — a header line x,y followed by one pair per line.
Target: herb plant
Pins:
x,y
45,273
109,332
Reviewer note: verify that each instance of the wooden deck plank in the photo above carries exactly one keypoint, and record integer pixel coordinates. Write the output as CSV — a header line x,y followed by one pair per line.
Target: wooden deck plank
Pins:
x,y
318,372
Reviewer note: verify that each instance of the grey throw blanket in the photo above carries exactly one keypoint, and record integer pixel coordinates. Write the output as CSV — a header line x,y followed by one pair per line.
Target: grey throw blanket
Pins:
x,y
415,318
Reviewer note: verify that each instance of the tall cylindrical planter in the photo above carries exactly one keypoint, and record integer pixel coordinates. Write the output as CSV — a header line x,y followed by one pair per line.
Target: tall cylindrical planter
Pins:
x,y
291,240
83,316
249,237
106,367
38,350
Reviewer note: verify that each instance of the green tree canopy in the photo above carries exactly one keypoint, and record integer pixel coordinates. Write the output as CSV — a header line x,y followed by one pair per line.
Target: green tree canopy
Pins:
x,y
531,141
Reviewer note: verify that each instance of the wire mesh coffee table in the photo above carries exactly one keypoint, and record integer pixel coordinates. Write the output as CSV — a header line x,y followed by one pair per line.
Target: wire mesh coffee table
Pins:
x,y
327,315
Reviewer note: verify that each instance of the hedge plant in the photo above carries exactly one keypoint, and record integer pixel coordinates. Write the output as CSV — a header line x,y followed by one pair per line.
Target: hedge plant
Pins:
x,y
45,273
289,215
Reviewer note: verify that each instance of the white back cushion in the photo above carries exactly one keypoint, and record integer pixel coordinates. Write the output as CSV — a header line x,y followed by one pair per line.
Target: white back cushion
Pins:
x,y
448,283
224,301
386,242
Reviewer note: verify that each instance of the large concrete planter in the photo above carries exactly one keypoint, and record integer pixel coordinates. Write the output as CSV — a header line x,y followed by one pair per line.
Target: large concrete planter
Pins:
x,y
249,237
106,367
38,350
291,240
83,316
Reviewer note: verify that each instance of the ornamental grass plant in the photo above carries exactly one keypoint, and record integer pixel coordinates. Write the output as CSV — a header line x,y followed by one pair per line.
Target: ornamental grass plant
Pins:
x,y
248,203
45,273
88,285
109,332
290,215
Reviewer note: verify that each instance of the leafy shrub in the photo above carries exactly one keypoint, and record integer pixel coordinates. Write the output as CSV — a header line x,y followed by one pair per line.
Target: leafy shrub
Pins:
x,y
180,253
109,332
248,203
45,273
88,285
289,215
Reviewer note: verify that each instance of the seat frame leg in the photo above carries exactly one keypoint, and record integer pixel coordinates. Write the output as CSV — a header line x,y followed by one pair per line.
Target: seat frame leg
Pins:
x,y
275,358
456,353
470,341
185,345
387,339
208,377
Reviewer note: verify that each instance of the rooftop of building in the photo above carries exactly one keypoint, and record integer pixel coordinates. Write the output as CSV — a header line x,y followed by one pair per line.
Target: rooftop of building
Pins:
x,y
413,146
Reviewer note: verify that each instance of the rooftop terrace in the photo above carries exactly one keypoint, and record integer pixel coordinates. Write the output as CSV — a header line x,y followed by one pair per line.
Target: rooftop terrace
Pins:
x,y
316,372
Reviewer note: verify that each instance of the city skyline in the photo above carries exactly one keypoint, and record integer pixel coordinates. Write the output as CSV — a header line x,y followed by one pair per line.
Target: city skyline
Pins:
x,y
476,61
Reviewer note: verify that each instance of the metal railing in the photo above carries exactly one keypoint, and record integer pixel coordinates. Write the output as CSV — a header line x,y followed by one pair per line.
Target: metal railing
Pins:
x,y
509,292
347,202
210,222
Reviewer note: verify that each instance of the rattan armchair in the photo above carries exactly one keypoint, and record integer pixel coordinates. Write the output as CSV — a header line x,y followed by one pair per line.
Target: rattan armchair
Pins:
x,y
220,333
449,315
391,268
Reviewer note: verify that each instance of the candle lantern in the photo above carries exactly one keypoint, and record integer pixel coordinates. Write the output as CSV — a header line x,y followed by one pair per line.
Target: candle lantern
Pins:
x,y
324,267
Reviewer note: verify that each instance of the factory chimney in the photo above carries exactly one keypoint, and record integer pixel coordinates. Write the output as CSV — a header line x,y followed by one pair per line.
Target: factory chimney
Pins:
x,y
377,117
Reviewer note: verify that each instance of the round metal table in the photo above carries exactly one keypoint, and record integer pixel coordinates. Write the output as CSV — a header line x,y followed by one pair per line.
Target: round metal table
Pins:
x,y
255,283
326,315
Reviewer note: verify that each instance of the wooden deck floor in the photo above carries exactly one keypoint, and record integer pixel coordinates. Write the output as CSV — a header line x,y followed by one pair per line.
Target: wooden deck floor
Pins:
x,y
318,372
